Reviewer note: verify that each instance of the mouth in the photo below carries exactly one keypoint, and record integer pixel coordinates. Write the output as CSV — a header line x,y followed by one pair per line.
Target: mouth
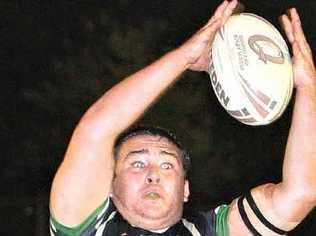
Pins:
x,y
152,195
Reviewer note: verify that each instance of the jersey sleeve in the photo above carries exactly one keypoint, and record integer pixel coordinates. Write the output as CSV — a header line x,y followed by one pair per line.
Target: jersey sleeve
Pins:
x,y
210,223
88,227
221,225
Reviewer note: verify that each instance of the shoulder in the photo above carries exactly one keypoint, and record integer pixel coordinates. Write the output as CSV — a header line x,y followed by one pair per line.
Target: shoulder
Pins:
x,y
95,222
209,223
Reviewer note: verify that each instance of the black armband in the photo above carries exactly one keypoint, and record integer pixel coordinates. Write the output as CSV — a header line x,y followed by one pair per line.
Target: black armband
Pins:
x,y
260,216
245,218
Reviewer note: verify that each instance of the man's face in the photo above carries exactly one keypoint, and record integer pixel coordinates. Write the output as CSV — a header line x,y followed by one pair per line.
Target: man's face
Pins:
x,y
149,186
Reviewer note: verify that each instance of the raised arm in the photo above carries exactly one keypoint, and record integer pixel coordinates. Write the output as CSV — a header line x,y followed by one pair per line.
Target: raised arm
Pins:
x,y
83,181
286,204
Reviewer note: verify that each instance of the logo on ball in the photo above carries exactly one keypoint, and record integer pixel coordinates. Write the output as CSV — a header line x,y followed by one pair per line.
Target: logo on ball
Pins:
x,y
266,49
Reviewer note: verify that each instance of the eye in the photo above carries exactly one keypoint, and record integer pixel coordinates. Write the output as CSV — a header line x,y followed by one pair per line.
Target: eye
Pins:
x,y
166,166
138,164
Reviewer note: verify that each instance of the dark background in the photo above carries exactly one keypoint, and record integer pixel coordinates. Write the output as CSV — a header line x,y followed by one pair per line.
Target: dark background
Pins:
x,y
58,57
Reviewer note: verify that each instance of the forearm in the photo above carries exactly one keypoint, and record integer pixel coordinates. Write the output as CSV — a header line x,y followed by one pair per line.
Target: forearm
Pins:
x,y
298,187
127,101
302,137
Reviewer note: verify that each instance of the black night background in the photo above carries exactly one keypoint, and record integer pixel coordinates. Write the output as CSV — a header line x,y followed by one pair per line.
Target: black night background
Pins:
x,y
58,57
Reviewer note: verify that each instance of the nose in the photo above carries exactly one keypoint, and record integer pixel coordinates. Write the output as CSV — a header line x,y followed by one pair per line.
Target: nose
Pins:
x,y
153,176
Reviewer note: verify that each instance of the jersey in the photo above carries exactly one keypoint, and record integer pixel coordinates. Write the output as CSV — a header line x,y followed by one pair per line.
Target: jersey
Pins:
x,y
107,221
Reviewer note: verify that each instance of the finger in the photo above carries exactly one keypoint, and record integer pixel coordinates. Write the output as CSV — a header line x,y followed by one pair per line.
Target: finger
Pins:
x,y
223,11
229,10
220,10
287,27
239,8
299,54
296,50
305,52
297,26
209,30
299,34
302,43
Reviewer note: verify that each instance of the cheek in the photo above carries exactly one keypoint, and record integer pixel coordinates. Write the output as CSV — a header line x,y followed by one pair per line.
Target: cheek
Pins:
x,y
174,186
127,184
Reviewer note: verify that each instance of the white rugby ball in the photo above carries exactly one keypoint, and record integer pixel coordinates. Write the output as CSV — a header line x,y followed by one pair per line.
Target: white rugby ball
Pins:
x,y
251,69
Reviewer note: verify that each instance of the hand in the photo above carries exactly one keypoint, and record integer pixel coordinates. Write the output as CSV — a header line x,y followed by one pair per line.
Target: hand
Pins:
x,y
303,65
196,50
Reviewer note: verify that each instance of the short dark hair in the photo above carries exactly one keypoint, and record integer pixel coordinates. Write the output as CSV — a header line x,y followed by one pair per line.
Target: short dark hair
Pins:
x,y
153,131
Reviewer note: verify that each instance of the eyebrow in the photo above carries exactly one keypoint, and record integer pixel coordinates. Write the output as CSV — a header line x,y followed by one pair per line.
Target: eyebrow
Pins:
x,y
135,152
169,154
146,151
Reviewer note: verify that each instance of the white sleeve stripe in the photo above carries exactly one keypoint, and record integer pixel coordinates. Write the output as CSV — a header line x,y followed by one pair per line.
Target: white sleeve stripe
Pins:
x,y
53,226
100,227
52,233
191,227
107,203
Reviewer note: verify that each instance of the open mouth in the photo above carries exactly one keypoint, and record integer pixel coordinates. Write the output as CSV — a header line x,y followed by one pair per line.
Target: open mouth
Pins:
x,y
153,195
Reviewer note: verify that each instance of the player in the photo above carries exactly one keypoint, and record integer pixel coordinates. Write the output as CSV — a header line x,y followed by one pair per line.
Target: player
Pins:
x,y
136,184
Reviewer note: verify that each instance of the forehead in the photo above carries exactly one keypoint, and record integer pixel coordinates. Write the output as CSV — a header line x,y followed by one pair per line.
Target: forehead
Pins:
x,y
148,142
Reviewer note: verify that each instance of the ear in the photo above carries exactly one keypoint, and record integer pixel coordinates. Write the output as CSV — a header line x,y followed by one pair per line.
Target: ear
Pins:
x,y
186,191
111,191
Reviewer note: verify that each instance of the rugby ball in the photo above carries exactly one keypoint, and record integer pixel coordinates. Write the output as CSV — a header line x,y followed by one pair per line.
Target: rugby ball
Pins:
x,y
251,69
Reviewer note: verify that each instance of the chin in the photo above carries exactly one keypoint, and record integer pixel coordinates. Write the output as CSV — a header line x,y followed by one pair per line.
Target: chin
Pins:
x,y
154,213
155,218
154,222
157,209
149,215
